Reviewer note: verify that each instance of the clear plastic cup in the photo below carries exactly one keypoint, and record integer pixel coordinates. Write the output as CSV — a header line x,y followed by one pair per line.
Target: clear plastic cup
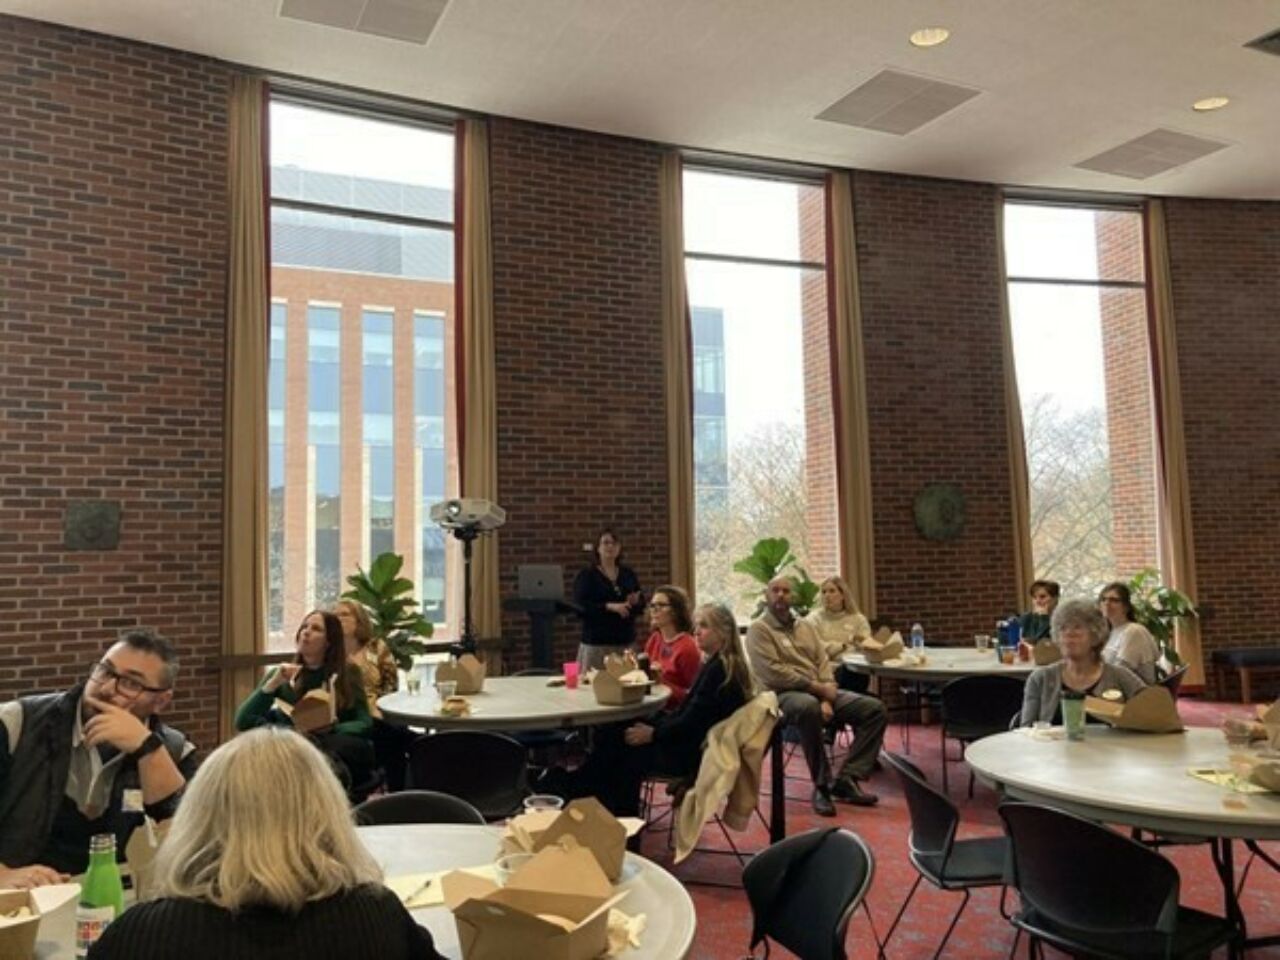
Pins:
x,y
446,689
543,801
504,867
981,641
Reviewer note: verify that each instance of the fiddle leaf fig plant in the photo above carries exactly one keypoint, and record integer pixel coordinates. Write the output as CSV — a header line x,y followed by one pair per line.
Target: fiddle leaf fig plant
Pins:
x,y
770,558
388,598
1159,608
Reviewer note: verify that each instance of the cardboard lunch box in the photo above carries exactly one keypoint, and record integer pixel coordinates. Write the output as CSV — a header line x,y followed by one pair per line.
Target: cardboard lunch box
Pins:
x,y
314,710
1150,710
554,907
883,646
467,671
620,682
18,936
1045,652
585,820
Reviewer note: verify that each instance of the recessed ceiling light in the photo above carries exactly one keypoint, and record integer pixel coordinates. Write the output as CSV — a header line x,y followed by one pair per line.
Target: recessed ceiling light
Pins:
x,y
930,36
1210,103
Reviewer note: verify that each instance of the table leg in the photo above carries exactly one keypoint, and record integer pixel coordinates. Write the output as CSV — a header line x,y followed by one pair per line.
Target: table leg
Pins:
x,y
778,792
1224,860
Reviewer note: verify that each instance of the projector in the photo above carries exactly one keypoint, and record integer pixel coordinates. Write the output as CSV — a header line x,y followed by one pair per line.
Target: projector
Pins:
x,y
468,513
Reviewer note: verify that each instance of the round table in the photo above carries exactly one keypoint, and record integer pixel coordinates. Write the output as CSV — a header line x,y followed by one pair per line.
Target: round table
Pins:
x,y
422,848
518,703
1134,779
941,665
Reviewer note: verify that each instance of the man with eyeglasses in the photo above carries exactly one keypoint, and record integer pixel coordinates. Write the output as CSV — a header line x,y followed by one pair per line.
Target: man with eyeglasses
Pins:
x,y
93,759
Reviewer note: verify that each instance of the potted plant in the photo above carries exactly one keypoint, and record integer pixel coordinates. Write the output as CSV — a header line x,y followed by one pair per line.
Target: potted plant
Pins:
x,y
768,559
387,597
1159,608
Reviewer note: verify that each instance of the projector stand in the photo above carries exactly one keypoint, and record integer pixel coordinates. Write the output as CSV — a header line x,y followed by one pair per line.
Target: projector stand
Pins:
x,y
467,642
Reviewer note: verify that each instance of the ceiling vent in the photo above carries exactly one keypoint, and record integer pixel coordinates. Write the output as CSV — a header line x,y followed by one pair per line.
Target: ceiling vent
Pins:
x,y
896,102
409,20
1150,154
1267,43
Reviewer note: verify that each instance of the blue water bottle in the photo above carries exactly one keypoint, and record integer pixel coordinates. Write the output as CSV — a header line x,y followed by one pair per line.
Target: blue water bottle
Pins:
x,y
917,637
1013,630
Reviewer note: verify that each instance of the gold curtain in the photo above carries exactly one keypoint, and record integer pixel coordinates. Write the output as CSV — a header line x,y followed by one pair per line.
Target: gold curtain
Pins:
x,y
1019,484
478,404
679,376
1176,544
244,491
853,450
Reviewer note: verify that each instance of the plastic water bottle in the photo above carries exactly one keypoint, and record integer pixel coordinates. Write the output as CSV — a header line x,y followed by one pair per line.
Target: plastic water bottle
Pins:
x,y
917,637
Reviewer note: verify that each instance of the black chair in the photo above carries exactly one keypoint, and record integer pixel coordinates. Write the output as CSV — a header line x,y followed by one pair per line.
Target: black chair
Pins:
x,y
1092,892
545,747
488,770
416,806
804,889
976,707
947,863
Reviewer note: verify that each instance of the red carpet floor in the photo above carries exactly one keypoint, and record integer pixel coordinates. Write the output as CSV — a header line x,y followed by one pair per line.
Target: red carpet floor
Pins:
x,y
724,921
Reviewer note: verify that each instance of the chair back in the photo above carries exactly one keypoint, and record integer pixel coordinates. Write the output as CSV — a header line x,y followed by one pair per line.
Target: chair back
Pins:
x,y
982,701
416,806
1085,877
804,889
934,818
488,770
1173,681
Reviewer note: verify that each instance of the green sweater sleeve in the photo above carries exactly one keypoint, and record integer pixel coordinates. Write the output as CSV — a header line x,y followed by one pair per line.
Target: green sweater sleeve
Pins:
x,y
356,719
256,707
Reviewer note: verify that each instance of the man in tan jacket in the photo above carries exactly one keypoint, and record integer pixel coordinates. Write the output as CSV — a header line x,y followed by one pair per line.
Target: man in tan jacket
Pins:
x,y
787,657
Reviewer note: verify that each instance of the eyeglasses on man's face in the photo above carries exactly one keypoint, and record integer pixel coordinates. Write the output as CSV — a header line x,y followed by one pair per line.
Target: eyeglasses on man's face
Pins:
x,y
131,687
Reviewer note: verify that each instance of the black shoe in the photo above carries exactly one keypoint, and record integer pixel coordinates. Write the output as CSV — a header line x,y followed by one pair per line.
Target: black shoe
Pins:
x,y
822,804
848,791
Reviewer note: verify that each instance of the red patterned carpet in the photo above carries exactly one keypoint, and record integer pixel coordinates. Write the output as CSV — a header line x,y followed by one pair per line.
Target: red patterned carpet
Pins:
x,y
724,922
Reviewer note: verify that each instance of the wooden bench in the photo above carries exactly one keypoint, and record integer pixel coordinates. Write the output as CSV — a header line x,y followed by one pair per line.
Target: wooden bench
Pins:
x,y
1245,660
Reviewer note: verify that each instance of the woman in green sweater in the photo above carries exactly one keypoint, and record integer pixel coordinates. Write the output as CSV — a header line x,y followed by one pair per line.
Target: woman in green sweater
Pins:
x,y
320,662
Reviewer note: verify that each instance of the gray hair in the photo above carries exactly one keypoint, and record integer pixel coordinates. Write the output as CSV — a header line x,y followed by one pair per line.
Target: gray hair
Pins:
x,y
264,822
1080,612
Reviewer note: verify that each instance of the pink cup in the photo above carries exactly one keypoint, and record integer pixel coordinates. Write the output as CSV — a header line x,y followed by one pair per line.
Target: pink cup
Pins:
x,y
571,675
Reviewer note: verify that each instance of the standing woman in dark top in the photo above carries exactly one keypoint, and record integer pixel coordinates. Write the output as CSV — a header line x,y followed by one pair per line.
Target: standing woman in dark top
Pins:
x,y
609,596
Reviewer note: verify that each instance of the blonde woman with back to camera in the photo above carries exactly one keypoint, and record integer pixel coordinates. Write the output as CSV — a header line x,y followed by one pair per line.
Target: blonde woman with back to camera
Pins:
x,y
262,861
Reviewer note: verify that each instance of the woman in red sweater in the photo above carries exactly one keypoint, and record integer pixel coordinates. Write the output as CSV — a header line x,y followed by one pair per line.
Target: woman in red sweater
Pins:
x,y
673,653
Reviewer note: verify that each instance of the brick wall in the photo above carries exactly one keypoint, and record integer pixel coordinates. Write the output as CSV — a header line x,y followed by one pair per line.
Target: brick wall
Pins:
x,y
930,285
112,230
1225,261
1127,367
577,328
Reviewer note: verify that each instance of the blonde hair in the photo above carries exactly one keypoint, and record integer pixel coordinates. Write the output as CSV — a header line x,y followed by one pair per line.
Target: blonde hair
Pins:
x,y
364,625
263,823
839,584
719,619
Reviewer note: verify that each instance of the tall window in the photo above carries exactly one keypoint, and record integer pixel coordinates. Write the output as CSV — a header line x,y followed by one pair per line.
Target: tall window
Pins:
x,y
362,250
1077,303
763,444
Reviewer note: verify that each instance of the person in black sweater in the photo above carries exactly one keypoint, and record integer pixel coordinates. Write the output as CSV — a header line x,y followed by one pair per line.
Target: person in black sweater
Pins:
x,y
262,861
670,744
608,594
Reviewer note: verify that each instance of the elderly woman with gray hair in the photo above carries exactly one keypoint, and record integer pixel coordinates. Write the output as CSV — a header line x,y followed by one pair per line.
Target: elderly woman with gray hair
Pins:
x,y
1081,632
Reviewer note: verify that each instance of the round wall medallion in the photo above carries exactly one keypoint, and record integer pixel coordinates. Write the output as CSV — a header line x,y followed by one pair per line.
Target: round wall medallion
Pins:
x,y
939,510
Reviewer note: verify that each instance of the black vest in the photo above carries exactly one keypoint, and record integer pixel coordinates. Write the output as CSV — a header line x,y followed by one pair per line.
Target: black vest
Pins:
x,y
36,781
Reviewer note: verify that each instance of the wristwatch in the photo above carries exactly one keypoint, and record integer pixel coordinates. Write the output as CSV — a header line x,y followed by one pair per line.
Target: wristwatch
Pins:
x,y
149,745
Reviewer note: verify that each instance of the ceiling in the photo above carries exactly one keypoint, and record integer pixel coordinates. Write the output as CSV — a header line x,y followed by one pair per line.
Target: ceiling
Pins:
x,y
1059,81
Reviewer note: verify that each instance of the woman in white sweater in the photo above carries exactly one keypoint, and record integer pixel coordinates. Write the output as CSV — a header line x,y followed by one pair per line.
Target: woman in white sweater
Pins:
x,y
1130,644
840,626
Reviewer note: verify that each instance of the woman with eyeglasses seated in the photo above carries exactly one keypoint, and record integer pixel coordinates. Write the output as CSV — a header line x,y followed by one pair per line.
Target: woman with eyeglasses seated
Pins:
x,y
673,653
669,744
262,860
1130,644
319,664
1080,631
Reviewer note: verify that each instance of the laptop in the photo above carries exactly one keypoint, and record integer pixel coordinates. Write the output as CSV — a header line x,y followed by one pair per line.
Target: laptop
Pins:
x,y
540,581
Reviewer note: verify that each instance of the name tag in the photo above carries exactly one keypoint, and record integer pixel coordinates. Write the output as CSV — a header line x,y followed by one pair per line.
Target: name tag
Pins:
x,y
132,802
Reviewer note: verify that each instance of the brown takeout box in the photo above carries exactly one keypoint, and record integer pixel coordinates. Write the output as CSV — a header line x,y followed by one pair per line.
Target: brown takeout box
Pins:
x,y
1045,652
315,710
467,671
883,646
1269,716
585,820
554,907
18,937
1266,774
620,682
1150,710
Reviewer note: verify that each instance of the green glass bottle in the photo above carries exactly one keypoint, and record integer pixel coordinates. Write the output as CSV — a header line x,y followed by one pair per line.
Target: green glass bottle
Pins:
x,y
101,894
